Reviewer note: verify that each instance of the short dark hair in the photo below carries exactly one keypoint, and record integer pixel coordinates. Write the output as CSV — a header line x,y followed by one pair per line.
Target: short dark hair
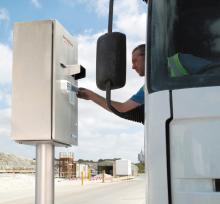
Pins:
x,y
141,49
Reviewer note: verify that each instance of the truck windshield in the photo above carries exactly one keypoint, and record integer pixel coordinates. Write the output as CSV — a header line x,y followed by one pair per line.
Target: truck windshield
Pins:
x,y
183,44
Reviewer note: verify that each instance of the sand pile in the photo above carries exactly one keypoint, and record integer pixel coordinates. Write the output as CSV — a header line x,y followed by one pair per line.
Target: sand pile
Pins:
x,y
10,161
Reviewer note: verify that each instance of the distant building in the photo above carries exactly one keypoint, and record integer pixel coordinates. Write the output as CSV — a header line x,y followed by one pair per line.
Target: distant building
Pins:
x,y
92,166
123,167
141,157
107,166
117,167
134,170
81,169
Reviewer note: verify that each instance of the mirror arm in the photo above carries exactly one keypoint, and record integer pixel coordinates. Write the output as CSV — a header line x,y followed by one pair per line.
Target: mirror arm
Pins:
x,y
110,17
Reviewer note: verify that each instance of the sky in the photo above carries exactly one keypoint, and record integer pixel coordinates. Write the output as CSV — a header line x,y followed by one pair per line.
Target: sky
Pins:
x,y
102,135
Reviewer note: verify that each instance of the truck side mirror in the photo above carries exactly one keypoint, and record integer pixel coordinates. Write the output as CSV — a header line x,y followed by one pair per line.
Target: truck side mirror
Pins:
x,y
111,67
111,60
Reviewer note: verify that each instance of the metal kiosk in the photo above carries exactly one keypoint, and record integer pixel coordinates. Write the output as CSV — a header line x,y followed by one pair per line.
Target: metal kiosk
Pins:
x,y
44,102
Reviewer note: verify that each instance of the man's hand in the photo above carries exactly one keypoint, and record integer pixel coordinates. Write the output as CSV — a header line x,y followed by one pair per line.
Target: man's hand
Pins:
x,y
85,94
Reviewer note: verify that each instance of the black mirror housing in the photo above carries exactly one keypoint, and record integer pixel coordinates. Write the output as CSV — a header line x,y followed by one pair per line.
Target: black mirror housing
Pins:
x,y
111,60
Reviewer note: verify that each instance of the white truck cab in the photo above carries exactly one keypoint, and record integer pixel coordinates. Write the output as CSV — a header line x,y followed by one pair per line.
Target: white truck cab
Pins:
x,y
182,114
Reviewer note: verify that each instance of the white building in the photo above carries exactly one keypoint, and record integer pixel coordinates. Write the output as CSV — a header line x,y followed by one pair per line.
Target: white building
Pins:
x,y
123,167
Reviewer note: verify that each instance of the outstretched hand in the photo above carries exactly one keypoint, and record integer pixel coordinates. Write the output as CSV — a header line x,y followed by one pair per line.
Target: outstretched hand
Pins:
x,y
84,93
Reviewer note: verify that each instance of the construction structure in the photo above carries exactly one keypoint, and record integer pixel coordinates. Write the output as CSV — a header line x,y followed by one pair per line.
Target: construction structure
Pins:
x,y
67,166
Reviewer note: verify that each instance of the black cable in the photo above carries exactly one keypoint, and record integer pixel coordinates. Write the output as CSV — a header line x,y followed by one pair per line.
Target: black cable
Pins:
x,y
136,114
108,99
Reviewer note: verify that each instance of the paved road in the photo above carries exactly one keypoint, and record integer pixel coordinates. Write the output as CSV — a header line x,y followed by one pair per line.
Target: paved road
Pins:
x,y
123,192
126,192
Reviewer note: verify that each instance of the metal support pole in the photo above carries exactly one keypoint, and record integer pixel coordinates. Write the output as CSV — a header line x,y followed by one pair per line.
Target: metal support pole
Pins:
x,y
44,185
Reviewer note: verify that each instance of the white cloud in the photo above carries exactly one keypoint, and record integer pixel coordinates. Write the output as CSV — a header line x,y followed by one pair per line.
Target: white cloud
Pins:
x,y
101,7
134,26
36,3
5,116
121,7
6,64
130,18
5,98
87,52
10,36
4,14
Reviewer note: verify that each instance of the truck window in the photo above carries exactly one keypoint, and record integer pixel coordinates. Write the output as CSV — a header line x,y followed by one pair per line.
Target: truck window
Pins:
x,y
183,44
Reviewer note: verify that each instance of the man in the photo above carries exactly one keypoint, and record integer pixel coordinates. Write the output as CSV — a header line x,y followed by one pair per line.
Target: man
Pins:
x,y
182,64
138,63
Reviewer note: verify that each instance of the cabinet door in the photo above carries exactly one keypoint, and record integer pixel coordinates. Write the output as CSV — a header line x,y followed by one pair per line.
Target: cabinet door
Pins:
x,y
65,110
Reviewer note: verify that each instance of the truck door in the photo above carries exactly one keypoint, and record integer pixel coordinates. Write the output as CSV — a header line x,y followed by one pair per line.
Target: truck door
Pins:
x,y
182,122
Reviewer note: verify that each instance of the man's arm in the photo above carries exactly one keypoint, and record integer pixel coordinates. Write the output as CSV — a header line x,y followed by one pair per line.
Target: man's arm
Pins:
x,y
101,101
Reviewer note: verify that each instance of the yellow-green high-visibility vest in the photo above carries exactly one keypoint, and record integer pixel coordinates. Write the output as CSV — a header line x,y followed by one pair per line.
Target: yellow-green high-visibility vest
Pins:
x,y
176,69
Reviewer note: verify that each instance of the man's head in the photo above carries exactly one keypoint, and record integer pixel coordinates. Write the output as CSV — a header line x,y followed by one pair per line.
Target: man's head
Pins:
x,y
138,59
